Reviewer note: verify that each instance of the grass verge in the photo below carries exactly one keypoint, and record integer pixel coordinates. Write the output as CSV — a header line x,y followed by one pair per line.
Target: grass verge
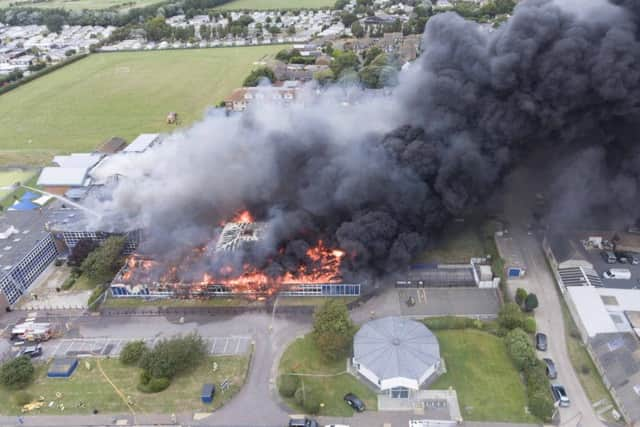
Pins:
x,y
302,356
87,389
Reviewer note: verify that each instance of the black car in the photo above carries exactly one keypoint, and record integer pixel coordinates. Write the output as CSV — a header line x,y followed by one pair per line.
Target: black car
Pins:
x,y
353,401
621,257
541,341
32,351
303,422
551,368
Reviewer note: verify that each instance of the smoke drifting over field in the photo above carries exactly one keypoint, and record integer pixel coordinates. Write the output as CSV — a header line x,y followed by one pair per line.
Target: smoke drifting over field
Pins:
x,y
376,178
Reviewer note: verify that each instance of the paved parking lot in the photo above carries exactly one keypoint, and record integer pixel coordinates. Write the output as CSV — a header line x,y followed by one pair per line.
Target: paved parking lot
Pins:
x,y
593,256
450,302
231,345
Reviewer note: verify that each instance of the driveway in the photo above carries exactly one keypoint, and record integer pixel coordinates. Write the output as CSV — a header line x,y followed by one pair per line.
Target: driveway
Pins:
x,y
548,315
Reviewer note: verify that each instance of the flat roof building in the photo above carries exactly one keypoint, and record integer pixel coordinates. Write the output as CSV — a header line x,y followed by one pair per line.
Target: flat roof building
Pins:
x,y
26,249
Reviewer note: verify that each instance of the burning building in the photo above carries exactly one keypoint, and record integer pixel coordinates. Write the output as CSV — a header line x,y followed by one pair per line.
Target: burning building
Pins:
x,y
224,266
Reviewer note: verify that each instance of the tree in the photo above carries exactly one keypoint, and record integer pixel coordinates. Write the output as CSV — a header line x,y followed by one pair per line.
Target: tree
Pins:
x,y
510,316
17,373
81,251
174,356
530,325
205,32
104,262
357,30
291,30
520,349
133,352
254,78
521,295
371,54
531,302
157,29
345,61
340,4
54,22
349,18
333,330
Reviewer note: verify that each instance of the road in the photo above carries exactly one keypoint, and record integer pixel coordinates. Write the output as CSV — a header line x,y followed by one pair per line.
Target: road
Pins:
x,y
548,315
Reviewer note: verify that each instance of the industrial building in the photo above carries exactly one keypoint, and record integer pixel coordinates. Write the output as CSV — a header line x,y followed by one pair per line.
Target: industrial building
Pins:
x,y
26,250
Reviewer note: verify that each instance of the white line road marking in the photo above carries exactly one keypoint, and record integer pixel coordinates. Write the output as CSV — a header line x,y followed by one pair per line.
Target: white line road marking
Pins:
x,y
226,343
237,347
213,346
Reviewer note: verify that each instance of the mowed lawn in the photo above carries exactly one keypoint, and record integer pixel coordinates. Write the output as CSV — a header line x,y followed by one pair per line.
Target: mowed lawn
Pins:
x,y
117,94
478,368
277,4
87,389
11,176
303,357
85,4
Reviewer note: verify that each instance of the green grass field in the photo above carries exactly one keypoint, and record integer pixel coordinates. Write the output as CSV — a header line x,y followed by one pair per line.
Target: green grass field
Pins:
x,y
478,368
11,176
117,94
84,4
88,389
277,4
302,356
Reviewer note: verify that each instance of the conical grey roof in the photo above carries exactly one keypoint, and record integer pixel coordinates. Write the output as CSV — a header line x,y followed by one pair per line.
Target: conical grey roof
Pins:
x,y
394,347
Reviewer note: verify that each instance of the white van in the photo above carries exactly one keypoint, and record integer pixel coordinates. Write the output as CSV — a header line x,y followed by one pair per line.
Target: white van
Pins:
x,y
617,273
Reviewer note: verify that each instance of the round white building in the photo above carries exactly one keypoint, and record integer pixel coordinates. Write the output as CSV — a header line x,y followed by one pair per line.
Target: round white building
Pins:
x,y
396,353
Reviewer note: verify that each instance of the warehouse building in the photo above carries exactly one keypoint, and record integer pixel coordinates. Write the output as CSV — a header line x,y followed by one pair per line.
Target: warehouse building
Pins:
x,y
26,249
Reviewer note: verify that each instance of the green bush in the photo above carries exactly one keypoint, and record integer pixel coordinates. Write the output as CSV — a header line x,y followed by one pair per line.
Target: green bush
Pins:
x,y
531,302
521,295
450,322
511,316
541,405
538,395
155,385
17,373
132,352
22,397
520,349
288,385
144,377
174,356
530,325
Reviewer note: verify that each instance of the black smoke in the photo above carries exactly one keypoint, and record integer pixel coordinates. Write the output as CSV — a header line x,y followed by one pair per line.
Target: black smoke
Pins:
x,y
378,178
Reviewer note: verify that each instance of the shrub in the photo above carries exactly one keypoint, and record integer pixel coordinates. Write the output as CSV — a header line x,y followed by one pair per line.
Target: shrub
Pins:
x,y
174,356
530,325
585,369
450,322
538,395
333,330
22,397
132,352
155,385
521,295
17,373
541,405
520,349
510,316
144,378
531,302
288,385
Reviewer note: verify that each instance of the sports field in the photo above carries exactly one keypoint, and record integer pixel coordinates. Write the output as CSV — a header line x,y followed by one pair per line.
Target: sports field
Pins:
x,y
117,94
277,4
84,4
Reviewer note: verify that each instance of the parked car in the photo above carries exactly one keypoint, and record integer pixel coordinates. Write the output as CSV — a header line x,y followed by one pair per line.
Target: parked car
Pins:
x,y
303,422
541,341
608,257
621,257
32,351
551,368
617,273
560,395
633,258
355,402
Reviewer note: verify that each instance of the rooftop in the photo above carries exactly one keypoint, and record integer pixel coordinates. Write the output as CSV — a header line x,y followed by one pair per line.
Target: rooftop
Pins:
x,y
55,176
142,143
395,347
19,232
78,160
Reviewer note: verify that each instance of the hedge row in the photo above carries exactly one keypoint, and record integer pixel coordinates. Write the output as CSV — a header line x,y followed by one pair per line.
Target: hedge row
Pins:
x,y
9,87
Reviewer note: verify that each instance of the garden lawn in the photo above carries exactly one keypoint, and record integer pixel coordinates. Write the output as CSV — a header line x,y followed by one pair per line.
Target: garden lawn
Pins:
x,y
488,385
9,177
88,389
302,356
278,4
121,94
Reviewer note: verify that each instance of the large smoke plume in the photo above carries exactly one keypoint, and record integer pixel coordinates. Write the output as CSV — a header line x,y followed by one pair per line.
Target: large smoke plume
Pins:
x,y
378,177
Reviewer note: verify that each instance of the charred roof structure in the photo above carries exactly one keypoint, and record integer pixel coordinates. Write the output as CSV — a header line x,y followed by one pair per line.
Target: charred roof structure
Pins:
x,y
236,235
